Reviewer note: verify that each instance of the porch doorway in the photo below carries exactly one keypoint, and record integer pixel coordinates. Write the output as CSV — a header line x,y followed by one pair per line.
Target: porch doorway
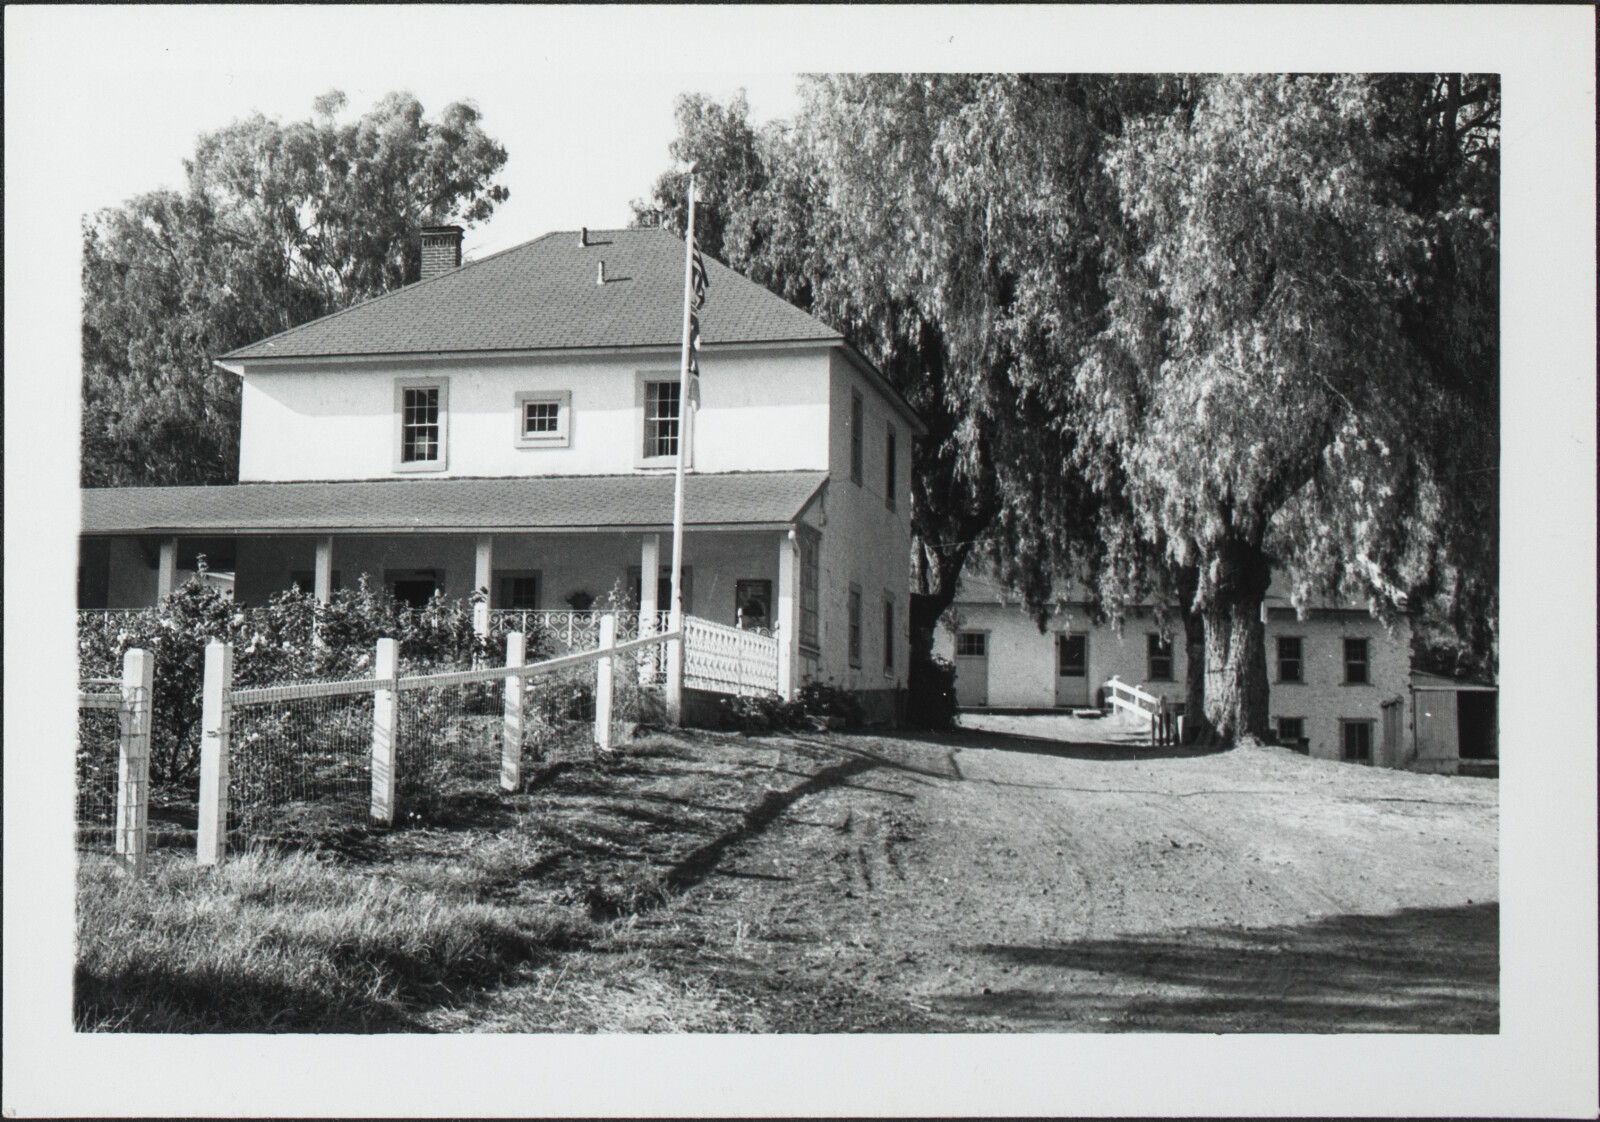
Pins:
x,y
972,668
414,587
1072,671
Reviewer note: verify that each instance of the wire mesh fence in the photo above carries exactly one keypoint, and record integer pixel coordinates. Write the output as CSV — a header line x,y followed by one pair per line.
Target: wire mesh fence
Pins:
x,y
99,740
299,767
449,739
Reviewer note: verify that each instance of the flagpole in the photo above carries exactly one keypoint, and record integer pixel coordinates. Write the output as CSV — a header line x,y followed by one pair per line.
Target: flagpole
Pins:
x,y
675,624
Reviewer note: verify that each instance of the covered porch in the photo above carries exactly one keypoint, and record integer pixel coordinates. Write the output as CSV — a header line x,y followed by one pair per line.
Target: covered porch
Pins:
x,y
518,541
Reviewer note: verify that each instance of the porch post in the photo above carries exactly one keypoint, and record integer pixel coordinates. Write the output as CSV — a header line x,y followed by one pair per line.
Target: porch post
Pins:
x,y
787,620
167,570
649,574
322,580
483,577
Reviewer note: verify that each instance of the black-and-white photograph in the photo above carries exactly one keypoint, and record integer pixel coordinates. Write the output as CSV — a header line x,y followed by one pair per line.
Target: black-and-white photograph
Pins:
x,y
952,552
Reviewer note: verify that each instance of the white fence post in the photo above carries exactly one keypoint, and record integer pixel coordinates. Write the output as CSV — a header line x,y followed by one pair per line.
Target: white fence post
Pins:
x,y
133,760
215,714
385,725
511,739
602,683
675,668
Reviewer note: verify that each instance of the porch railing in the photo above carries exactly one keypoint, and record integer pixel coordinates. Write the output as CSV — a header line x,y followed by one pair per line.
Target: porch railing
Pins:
x,y
572,630
727,659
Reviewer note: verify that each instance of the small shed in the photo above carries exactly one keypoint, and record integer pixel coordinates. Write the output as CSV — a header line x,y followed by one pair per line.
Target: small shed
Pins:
x,y
1454,726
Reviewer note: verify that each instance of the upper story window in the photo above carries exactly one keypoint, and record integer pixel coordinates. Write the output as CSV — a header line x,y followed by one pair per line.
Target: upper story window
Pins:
x,y
1355,662
857,410
544,419
661,419
422,410
1291,666
1158,657
891,464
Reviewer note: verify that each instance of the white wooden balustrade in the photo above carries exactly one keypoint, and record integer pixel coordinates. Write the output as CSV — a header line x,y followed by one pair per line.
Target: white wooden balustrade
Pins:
x,y
726,659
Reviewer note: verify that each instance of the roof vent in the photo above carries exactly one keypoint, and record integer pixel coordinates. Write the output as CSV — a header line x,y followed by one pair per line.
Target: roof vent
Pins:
x,y
583,236
600,273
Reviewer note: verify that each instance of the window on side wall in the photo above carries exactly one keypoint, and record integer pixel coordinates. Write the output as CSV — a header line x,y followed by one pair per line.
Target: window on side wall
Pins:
x,y
857,419
1291,730
544,419
891,468
810,631
1356,671
662,419
1291,667
855,626
422,410
1357,737
1158,657
888,637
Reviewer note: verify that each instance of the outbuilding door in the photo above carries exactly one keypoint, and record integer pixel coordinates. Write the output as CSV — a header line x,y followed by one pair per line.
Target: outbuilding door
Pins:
x,y
972,668
1072,670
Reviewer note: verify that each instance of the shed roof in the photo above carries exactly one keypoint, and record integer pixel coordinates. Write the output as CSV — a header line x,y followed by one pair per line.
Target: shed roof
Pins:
x,y
569,503
543,295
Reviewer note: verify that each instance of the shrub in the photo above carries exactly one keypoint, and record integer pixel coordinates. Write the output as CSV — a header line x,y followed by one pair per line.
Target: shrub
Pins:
x,y
824,699
762,713
931,696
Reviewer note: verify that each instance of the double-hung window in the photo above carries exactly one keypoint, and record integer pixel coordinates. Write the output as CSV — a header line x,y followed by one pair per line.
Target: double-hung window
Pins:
x,y
422,424
809,590
1355,662
662,418
891,468
1158,657
888,637
857,420
1291,664
1357,737
855,626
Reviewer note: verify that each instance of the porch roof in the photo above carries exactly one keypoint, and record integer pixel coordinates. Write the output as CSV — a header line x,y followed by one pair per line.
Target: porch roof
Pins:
x,y
746,500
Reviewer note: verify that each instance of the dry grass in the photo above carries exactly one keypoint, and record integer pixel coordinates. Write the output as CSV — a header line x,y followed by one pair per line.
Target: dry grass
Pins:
x,y
275,943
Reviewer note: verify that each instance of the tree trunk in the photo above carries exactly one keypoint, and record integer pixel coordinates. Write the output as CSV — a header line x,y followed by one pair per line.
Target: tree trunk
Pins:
x,y
1236,648
931,601
1194,641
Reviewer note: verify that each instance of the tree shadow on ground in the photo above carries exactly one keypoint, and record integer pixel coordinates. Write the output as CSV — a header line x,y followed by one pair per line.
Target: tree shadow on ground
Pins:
x,y
1108,750
1425,970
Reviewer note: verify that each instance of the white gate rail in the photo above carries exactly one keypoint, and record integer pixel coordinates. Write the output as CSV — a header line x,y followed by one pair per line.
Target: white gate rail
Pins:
x,y
1147,707
727,659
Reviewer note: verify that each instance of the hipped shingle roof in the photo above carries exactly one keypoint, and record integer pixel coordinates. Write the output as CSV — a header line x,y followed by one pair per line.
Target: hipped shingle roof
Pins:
x,y
543,295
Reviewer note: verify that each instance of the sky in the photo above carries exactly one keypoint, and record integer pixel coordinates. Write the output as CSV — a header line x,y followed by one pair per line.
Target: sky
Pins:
x,y
104,102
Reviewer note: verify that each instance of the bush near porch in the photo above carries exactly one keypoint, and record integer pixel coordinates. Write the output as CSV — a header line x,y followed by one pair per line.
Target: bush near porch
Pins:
x,y
290,638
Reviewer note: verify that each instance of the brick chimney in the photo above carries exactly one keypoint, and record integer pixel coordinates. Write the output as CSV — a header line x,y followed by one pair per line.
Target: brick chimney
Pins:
x,y
441,250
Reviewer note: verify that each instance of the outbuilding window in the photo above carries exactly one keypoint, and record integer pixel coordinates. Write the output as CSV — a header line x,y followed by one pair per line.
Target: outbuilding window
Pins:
x,y
1158,658
1355,662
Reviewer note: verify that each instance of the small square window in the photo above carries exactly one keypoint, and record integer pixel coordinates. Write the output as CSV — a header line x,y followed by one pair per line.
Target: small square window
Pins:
x,y
1158,656
1291,730
1291,667
1355,662
543,418
972,644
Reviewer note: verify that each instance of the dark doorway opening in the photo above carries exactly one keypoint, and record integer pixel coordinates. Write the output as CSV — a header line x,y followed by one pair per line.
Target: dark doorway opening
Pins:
x,y
1475,718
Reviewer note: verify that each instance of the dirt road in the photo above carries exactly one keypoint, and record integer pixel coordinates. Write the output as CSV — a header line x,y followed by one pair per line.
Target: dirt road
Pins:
x,y
1044,874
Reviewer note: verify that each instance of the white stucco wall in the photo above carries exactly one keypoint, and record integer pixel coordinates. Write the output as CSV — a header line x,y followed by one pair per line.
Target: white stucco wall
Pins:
x,y
864,541
760,411
1021,664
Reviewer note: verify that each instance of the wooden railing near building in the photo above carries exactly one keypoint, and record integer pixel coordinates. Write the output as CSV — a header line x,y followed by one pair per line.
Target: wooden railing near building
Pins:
x,y
726,659
1163,722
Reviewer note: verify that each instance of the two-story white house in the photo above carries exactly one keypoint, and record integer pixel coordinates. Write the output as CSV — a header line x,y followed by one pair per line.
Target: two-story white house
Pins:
x,y
512,425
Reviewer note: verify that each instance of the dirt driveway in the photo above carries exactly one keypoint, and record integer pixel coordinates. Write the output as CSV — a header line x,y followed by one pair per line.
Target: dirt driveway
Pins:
x,y
1044,874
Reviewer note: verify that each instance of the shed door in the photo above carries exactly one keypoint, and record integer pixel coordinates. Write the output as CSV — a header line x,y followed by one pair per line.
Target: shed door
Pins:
x,y
1475,717
1072,670
972,668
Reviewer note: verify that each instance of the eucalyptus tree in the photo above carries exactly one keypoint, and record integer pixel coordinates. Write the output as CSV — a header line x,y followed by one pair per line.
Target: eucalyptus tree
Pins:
x,y
278,224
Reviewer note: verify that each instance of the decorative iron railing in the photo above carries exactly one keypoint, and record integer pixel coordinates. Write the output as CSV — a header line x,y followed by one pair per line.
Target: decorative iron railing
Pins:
x,y
727,659
567,631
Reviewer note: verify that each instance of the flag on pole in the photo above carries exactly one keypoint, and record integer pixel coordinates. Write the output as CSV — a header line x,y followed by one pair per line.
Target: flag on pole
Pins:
x,y
698,284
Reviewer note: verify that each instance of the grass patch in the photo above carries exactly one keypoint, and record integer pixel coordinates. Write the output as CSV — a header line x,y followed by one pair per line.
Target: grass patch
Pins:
x,y
286,943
